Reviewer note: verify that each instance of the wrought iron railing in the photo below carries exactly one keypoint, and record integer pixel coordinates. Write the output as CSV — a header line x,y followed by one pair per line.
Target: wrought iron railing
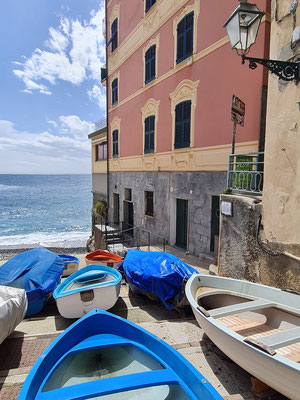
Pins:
x,y
124,235
246,172
100,124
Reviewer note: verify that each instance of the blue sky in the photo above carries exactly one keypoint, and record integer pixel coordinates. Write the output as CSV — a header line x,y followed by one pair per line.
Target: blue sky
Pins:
x,y
51,94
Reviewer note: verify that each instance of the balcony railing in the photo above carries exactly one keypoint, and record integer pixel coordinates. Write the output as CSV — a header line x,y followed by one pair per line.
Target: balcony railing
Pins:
x,y
245,173
103,73
100,124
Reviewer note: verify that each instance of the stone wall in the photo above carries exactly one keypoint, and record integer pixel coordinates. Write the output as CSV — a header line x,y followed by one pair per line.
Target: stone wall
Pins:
x,y
243,255
196,187
238,248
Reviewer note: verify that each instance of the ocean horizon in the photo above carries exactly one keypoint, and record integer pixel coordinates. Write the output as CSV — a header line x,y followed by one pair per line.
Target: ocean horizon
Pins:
x,y
38,210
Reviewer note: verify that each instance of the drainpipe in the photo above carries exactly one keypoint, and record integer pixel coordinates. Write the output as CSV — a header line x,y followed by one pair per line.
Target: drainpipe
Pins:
x,y
107,126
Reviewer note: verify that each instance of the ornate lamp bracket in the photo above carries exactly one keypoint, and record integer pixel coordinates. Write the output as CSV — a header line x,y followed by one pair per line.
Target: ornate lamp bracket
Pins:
x,y
287,71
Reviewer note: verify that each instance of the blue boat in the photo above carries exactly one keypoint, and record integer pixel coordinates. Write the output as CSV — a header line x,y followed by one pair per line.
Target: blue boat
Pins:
x,y
103,356
95,286
37,271
70,264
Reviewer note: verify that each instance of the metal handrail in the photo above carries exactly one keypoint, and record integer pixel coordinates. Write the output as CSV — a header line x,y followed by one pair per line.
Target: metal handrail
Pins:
x,y
136,237
100,124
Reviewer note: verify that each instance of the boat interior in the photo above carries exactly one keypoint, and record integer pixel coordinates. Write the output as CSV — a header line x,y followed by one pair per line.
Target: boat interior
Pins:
x,y
262,323
88,363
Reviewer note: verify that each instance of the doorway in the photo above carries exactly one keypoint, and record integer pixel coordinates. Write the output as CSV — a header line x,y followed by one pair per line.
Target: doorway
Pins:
x,y
181,223
128,216
116,201
215,224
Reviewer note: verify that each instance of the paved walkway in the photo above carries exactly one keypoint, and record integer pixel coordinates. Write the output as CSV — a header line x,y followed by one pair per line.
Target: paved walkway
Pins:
x,y
21,349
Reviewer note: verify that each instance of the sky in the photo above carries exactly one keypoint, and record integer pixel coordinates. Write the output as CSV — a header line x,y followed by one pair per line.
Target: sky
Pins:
x,y
51,52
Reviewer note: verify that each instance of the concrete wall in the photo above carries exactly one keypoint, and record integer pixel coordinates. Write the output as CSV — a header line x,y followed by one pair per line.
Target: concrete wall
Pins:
x,y
99,184
281,196
241,256
238,248
198,188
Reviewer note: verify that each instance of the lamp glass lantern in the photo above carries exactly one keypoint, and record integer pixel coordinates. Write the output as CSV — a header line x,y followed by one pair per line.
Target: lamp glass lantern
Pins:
x,y
242,26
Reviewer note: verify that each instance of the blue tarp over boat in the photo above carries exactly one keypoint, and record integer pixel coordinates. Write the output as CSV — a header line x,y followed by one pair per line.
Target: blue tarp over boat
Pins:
x,y
159,275
38,271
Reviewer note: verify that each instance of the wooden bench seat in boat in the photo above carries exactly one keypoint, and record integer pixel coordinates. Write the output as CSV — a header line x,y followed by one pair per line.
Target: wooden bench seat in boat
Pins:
x,y
282,338
240,307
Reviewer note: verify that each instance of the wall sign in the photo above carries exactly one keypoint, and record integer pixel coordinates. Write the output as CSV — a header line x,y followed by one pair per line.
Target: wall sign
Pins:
x,y
226,208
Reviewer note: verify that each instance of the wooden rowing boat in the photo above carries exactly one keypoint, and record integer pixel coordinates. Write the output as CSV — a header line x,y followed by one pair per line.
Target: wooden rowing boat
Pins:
x,y
103,257
257,326
102,356
95,286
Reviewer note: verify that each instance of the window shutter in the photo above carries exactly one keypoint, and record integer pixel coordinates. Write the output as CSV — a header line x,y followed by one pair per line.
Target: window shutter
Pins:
x,y
186,123
149,134
115,143
189,34
114,89
114,35
178,125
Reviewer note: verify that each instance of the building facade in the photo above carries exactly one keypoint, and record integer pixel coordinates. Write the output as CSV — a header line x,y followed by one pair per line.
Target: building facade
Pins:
x,y
99,161
170,81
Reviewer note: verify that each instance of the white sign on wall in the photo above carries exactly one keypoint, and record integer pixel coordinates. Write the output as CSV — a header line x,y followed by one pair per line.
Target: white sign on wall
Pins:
x,y
226,208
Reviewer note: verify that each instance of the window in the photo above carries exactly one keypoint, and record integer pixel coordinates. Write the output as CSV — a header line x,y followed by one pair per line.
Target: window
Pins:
x,y
128,194
185,37
149,4
101,151
149,134
114,92
115,143
114,35
149,203
182,124
150,64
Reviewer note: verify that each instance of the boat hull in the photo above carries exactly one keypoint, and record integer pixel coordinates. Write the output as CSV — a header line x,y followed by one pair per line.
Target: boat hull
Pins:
x,y
103,257
77,302
278,373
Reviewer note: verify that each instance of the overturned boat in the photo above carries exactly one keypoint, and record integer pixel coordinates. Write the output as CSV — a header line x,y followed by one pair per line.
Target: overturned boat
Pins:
x,y
257,326
37,271
71,264
103,257
90,287
13,307
109,358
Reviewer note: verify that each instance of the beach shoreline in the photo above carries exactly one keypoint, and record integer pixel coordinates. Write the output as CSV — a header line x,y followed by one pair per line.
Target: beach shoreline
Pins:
x,y
7,254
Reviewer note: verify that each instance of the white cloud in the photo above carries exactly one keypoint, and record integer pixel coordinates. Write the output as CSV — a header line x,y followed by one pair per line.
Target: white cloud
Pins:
x,y
73,125
26,91
99,95
44,152
74,52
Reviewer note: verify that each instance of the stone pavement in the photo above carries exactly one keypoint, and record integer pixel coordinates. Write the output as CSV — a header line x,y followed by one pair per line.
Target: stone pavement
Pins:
x,y
21,349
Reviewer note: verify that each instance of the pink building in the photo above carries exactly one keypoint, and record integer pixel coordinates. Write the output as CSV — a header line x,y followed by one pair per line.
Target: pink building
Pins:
x,y
170,80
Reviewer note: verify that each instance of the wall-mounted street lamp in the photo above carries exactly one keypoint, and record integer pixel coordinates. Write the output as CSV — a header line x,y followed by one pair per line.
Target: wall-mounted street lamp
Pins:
x,y
242,28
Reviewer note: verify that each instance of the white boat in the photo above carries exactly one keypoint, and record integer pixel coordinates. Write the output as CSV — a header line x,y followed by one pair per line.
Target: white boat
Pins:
x,y
95,286
257,326
13,307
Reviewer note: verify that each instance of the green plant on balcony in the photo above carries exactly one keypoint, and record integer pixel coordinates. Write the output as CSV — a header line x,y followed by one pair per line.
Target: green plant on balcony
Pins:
x,y
243,176
100,208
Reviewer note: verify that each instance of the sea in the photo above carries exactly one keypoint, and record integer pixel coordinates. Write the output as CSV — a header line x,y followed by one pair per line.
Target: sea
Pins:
x,y
45,210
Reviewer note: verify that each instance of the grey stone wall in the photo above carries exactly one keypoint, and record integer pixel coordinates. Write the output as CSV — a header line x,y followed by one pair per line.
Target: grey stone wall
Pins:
x,y
238,249
240,255
196,187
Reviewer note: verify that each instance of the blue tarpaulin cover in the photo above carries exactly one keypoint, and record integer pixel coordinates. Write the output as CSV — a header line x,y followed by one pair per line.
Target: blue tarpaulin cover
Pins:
x,y
38,271
159,275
